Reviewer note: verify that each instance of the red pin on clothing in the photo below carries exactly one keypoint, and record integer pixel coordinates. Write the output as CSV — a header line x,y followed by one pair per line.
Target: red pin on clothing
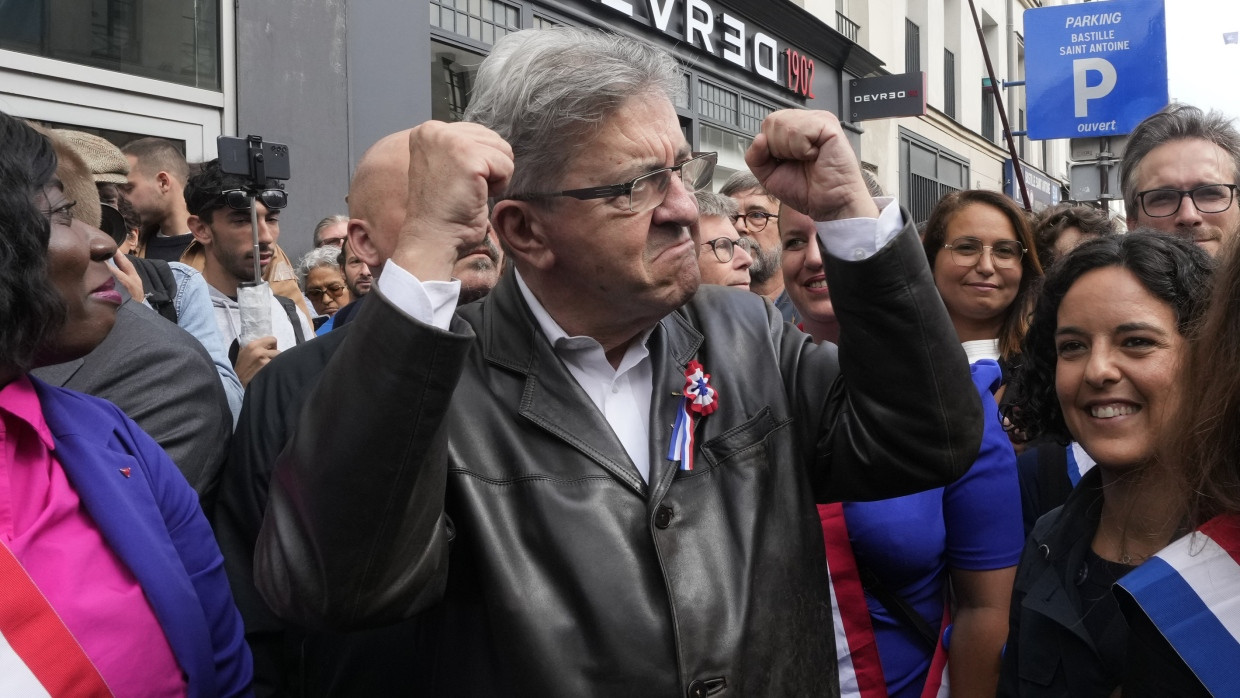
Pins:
x,y
126,471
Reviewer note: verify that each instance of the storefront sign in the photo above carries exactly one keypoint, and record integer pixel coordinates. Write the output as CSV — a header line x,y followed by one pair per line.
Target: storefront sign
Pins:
x,y
1043,191
886,96
722,35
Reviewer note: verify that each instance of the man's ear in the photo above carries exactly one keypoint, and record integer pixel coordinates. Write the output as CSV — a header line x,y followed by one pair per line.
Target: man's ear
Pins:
x,y
520,227
164,181
363,245
200,230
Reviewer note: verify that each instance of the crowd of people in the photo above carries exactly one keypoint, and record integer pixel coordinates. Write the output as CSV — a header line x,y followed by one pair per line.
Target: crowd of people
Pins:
x,y
545,415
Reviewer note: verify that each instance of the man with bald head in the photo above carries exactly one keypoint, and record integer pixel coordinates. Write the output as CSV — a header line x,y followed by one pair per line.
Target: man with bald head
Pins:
x,y
288,661
377,211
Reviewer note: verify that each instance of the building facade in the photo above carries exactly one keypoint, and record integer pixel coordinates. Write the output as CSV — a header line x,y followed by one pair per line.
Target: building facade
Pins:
x,y
959,142
331,78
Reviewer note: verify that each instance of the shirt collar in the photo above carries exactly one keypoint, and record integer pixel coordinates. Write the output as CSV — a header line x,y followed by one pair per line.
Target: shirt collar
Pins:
x,y
20,400
561,339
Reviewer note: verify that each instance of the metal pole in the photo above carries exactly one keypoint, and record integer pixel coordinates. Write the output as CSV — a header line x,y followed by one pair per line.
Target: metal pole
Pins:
x,y
258,266
1007,132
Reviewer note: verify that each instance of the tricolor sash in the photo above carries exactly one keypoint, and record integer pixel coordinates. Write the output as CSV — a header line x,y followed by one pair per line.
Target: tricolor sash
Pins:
x,y
860,671
1079,462
856,648
936,679
38,654
1191,592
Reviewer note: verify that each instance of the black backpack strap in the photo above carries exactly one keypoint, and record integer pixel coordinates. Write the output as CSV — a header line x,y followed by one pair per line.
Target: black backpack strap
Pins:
x,y
158,285
897,606
294,317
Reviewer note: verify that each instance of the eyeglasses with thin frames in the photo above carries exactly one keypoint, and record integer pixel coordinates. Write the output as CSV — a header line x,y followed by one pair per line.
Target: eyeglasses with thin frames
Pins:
x,y
755,221
1208,198
647,191
724,248
967,252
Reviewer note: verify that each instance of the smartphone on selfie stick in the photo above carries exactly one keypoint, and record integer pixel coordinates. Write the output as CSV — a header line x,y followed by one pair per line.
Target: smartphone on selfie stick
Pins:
x,y
263,165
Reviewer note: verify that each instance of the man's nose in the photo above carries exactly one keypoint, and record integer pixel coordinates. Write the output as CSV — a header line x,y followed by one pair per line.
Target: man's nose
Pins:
x,y
1188,215
741,257
678,207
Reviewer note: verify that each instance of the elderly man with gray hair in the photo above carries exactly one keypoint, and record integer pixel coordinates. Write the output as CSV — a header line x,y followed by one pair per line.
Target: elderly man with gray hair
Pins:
x,y
600,479
1179,174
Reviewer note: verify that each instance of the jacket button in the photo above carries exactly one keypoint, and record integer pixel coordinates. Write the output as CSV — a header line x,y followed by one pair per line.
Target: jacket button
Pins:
x,y
663,518
701,688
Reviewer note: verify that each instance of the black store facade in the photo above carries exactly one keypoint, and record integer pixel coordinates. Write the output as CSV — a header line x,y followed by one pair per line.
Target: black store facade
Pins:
x,y
740,63
406,62
331,78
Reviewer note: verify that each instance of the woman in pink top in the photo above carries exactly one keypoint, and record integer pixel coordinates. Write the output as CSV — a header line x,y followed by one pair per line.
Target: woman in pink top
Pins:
x,y
114,583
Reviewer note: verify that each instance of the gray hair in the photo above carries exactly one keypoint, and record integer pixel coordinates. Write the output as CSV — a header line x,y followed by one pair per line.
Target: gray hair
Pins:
x,y
324,256
325,224
1176,122
546,91
742,181
712,205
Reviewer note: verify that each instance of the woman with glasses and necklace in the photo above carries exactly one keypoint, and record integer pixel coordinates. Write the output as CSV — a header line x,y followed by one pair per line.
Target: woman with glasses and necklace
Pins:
x,y
982,252
1101,365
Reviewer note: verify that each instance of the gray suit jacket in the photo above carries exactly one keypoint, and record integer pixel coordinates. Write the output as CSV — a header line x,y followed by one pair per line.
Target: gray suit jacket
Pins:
x,y
164,380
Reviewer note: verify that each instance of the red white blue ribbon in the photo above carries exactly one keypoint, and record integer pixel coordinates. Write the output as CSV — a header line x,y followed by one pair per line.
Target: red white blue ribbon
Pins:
x,y
1189,591
699,398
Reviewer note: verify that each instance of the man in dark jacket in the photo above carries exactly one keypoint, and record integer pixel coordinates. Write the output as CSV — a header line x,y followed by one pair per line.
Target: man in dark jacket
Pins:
x,y
550,473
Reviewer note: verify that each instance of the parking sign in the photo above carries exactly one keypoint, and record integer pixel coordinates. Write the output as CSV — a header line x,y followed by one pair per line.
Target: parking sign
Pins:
x,y
1094,69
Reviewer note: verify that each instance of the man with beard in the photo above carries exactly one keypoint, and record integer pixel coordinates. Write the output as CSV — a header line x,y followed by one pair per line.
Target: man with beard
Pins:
x,y
289,661
220,222
757,221
1179,175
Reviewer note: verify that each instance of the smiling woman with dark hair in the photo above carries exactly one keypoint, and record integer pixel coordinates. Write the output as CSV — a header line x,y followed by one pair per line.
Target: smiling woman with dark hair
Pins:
x,y
113,581
1100,365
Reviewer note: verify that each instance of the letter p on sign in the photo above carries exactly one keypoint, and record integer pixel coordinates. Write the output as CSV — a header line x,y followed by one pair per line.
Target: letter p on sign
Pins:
x,y
1081,89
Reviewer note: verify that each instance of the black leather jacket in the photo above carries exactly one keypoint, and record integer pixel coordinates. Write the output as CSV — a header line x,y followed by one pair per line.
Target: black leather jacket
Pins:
x,y
477,483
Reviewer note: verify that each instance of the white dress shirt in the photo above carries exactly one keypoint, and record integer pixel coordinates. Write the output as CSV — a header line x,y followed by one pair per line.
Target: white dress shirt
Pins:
x,y
622,394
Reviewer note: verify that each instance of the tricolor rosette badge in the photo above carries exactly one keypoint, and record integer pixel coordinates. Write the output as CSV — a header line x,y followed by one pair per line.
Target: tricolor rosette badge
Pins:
x,y
700,398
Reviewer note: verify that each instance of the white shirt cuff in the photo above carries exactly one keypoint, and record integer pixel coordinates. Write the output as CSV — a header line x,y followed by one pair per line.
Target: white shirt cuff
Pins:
x,y
855,239
431,302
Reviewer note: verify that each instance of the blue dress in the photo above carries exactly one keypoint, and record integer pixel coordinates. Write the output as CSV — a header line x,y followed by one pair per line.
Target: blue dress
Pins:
x,y
910,542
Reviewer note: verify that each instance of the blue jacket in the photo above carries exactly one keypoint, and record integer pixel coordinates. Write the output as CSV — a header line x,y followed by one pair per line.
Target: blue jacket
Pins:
x,y
152,521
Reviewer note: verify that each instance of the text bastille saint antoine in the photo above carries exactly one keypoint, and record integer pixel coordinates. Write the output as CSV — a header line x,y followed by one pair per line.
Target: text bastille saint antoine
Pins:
x,y
1098,40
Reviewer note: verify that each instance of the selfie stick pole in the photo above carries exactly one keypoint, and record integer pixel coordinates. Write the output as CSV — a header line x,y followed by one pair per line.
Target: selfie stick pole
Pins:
x,y
258,267
258,180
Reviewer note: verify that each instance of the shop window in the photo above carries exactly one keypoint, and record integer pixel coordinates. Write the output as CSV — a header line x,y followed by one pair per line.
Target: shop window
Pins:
x,y
731,148
752,114
716,103
453,71
544,23
930,172
484,21
171,40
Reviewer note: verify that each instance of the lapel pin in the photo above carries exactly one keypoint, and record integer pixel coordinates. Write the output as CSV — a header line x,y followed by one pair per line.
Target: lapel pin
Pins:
x,y
126,471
